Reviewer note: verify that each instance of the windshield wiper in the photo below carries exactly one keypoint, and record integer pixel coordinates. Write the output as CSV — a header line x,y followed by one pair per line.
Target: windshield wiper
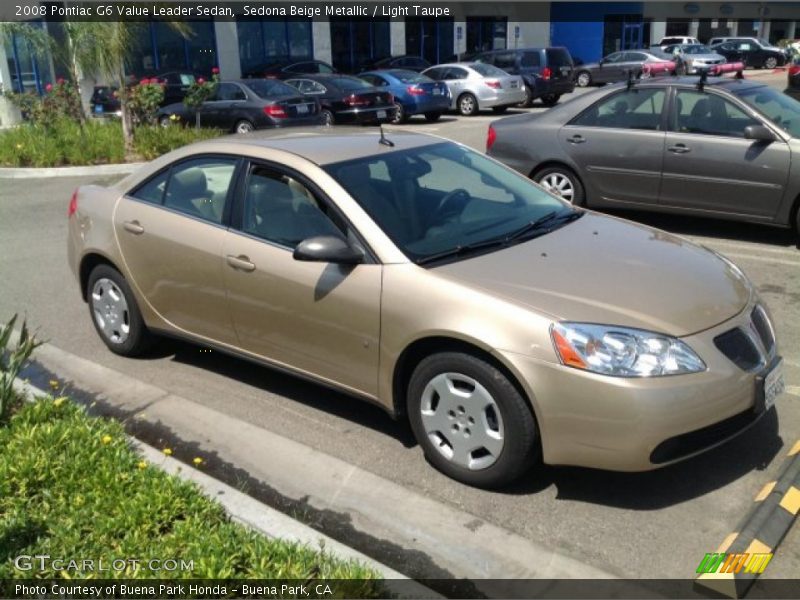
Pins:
x,y
543,224
530,230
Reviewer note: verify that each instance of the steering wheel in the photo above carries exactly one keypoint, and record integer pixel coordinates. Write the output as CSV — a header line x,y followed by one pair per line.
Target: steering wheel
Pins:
x,y
457,198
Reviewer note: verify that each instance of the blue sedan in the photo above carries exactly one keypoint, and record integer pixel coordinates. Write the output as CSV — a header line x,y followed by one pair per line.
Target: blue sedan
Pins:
x,y
413,93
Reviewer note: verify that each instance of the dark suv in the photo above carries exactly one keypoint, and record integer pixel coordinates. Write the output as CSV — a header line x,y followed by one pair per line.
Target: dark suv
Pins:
x,y
547,72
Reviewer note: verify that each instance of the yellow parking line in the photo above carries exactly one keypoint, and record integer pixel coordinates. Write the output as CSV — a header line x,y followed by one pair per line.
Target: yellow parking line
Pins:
x,y
795,449
791,500
726,543
765,491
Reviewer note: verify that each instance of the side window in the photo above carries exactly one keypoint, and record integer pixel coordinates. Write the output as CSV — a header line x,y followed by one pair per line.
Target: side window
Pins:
x,y
615,57
230,91
280,209
435,73
199,187
306,86
455,73
153,189
636,108
506,60
745,46
709,114
323,68
634,57
530,59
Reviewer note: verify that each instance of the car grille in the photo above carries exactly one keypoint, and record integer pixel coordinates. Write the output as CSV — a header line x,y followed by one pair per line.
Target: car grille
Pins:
x,y
742,349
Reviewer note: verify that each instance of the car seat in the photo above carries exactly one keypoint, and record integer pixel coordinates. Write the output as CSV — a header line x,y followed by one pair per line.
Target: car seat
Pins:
x,y
188,192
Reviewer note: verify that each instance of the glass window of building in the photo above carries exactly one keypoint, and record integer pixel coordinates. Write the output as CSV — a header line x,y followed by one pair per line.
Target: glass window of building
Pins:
x,y
157,47
355,43
432,39
486,33
270,40
30,72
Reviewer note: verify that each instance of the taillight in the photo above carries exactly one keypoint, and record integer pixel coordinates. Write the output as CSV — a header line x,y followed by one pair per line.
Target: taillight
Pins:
x,y
794,70
354,100
491,136
493,83
73,204
275,111
415,90
547,72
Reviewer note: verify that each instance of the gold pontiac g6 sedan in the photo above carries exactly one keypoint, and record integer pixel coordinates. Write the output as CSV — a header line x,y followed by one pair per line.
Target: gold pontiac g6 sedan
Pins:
x,y
420,275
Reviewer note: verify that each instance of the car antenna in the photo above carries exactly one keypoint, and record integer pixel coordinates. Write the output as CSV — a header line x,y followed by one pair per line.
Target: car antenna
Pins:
x,y
633,75
384,140
703,78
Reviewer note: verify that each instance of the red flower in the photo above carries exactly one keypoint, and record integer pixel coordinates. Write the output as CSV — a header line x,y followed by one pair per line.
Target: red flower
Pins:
x,y
215,71
200,80
60,81
48,87
144,82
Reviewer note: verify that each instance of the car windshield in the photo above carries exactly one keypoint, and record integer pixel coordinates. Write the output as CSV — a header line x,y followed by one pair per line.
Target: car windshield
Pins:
x,y
697,49
411,77
444,200
487,70
269,88
779,108
350,83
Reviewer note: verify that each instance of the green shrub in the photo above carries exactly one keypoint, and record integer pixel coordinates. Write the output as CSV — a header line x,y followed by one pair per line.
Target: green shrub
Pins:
x,y
71,486
65,142
11,362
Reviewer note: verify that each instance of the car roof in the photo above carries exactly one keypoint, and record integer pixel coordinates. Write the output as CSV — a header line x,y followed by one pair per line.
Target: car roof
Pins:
x,y
725,83
321,145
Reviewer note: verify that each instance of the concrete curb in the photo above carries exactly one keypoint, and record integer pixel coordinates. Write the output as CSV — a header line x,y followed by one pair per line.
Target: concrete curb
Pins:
x,y
87,171
745,553
266,520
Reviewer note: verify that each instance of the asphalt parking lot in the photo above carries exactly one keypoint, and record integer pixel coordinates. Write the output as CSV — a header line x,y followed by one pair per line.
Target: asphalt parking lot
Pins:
x,y
616,522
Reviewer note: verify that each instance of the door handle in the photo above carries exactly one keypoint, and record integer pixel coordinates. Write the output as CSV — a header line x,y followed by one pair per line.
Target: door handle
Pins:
x,y
679,149
133,227
576,139
241,262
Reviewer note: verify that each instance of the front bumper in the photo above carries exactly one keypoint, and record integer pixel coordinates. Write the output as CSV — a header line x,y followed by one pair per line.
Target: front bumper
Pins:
x,y
638,424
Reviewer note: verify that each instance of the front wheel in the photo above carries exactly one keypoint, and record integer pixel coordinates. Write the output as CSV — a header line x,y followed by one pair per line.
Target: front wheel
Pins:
x,y
114,312
771,62
584,79
467,105
561,182
471,421
164,121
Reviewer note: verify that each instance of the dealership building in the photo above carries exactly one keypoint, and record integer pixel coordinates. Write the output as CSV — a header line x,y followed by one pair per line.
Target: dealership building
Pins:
x,y
588,29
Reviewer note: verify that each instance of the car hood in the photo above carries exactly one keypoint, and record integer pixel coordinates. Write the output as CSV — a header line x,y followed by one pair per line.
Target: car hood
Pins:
x,y
601,269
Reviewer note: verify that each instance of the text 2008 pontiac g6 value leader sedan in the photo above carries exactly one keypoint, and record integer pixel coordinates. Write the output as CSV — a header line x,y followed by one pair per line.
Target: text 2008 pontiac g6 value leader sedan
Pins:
x,y
423,276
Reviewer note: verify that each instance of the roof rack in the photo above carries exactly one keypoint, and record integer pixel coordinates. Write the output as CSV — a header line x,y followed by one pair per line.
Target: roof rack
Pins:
x,y
718,70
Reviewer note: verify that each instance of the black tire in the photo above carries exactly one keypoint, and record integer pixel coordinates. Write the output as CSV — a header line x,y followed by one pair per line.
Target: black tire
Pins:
x,y
467,105
164,121
528,102
550,99
770,62
578,196
432,117
243,126
400,115
521,446
583,79
139,338
499,110
327,117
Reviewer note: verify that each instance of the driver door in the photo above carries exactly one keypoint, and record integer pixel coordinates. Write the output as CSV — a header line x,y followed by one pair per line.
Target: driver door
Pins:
x,y
319,318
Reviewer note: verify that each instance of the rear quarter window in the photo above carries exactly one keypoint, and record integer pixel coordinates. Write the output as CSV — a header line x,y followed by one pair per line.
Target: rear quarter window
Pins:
x,y
530,59
558,57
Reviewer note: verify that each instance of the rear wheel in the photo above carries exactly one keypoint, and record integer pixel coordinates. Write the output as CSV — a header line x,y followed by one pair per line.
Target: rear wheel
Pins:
x,y
432,116
584,79
467,105
327,116
243,126
561,182
115,314
528,102
400,116
470,420
771,62
550,99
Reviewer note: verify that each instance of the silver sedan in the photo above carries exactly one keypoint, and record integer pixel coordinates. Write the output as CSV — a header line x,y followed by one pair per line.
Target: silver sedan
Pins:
x,y
474,86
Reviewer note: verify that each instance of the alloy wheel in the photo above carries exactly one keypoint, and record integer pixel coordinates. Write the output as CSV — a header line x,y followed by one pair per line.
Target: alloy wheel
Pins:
x,y
559,184
467,104
244,127
110,309
771,62
584,79
462,420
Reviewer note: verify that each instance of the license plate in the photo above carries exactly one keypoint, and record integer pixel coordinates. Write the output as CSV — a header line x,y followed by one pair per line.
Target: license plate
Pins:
x,y
437,92
98,108
381,114
513,84
302,109
774,385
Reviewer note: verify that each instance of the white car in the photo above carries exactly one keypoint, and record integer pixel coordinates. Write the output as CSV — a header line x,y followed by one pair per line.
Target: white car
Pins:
x,y
677,39
474,86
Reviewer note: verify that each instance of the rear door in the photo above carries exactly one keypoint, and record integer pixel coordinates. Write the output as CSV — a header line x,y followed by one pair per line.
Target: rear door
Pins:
x,y
560,63
610,69
618,145
170,232
230,96
709,166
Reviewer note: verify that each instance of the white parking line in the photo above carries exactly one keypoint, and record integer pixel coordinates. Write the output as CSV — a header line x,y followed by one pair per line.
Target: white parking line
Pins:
x,y
746,246
766,259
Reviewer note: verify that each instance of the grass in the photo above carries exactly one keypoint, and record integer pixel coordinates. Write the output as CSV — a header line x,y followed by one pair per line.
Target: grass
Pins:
x,y
65,142
71,486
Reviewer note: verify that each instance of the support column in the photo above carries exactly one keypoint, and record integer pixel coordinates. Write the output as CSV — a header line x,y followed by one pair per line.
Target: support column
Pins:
x,y
658,31
459,45
763,31
321,34
694,27
397,36
227,36
791,30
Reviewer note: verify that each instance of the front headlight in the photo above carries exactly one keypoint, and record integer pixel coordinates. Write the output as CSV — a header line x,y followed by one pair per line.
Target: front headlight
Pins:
x,y
622,352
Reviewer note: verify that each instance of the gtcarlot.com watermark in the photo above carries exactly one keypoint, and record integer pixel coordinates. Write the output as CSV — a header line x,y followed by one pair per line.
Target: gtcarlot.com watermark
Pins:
x,y
45,562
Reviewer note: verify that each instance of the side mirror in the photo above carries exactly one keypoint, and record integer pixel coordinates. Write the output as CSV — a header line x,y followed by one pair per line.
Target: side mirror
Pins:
x,y
328,248
758,133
